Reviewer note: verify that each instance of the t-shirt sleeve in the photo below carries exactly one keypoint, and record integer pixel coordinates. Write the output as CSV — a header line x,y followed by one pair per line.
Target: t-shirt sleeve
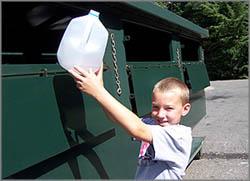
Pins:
x,y
172,144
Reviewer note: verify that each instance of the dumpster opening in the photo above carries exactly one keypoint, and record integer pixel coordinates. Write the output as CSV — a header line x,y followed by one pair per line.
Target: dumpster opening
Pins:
x,y
189,50
32,34
145,44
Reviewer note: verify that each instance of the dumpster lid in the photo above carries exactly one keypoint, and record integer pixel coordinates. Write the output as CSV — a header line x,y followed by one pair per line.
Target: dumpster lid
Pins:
x,y
179,23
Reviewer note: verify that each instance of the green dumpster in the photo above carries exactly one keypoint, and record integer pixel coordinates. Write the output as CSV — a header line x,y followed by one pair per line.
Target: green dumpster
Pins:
x,y
52,131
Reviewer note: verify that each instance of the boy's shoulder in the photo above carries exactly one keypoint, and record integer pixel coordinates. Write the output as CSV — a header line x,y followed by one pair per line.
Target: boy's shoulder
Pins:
x,y
178,127
147,119
179,131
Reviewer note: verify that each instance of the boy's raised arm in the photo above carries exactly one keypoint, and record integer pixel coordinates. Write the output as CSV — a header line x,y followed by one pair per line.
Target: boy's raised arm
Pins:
x,y
92,84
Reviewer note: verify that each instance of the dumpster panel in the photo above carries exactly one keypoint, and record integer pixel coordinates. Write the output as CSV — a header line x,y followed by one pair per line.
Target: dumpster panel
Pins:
x,y
56,120
61,172
198,109
198,76
31,128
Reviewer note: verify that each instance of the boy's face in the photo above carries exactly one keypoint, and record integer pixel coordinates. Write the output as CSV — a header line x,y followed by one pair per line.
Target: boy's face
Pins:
x,y
167,108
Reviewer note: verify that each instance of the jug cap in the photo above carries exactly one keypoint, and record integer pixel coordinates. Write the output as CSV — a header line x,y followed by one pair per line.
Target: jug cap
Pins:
x,y
94,13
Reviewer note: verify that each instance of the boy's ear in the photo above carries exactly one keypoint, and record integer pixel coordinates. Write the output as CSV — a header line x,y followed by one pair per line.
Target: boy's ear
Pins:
x,y
186,109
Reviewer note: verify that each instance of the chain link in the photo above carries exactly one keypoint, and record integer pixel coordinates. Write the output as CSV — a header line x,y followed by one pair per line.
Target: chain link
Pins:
x,y
202,55
178,57
118,82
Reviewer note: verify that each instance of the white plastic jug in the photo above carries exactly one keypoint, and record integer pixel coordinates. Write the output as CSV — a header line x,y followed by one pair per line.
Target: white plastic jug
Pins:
x,y
83,43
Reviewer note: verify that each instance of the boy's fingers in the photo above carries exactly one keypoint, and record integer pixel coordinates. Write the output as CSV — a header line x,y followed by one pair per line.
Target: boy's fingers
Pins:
x,y
81,71
75,74
78,84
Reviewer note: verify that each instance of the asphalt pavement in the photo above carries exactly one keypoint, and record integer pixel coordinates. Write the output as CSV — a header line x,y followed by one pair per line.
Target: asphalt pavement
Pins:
x,y
225,127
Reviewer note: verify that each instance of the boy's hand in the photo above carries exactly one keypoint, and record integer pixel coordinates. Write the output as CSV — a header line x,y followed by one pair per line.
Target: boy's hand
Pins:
x,y
88,81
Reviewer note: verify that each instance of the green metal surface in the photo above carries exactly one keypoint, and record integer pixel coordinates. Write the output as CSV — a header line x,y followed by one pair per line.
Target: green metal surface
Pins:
x,y
53,122
198,109
11,70
174,47
62,172
169,16
31,128
197,143
198,76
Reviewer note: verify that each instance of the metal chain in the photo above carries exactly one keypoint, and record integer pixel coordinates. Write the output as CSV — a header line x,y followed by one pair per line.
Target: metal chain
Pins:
x,y
118,82
202,55
178,57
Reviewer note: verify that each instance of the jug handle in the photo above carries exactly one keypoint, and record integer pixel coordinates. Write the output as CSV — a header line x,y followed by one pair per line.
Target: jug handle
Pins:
x,y
86,35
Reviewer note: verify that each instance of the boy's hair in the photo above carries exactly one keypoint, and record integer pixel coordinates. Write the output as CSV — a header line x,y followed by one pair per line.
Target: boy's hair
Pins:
x,y
173,84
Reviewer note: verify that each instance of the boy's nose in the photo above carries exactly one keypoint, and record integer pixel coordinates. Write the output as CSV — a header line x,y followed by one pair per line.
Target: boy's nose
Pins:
x,y
161,114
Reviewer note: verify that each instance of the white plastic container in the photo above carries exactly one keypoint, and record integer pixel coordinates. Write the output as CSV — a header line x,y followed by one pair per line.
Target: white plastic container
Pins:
x,y
83,43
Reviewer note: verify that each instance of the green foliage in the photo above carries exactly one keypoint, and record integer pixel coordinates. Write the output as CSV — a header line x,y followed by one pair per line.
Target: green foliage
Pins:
x,y
226,49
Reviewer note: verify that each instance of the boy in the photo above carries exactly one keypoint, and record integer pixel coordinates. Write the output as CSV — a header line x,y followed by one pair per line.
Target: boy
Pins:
x,y
166,145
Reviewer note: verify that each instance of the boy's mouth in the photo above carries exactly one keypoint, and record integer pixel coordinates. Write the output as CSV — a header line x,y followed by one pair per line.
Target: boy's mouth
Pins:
x,y
162,122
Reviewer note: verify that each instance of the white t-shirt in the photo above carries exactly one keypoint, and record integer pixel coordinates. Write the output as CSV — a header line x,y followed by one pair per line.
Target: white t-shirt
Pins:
x,y
168,155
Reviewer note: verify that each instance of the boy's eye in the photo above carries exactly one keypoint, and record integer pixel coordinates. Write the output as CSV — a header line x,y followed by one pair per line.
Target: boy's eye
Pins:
x,y
169,108
155,107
